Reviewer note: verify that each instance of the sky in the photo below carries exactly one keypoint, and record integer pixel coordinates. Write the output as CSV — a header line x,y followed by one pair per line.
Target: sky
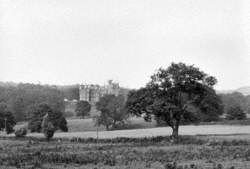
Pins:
x,y
90,41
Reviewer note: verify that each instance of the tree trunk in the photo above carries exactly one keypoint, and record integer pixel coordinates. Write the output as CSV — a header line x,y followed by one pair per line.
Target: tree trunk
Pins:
x,y
175,132
175,128
107,127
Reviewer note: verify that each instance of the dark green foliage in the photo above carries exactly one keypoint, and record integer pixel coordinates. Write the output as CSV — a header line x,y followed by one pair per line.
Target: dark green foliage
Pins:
x,y
21,132
180,93
113,112
235,113
6,119
83,108
211,106
62,124
38,111
57,119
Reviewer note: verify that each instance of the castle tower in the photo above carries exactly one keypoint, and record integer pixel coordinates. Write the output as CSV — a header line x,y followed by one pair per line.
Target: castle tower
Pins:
x,y
113,88
93,93
84,92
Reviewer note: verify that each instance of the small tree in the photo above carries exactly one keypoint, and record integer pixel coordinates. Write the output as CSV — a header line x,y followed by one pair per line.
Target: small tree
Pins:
x,y
35,115
38,111
59,122
113,113
7,120
83,108
178,93
235,113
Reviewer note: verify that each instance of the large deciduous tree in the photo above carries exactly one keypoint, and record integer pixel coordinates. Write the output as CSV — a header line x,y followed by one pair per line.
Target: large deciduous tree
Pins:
x,y
179,93
83,108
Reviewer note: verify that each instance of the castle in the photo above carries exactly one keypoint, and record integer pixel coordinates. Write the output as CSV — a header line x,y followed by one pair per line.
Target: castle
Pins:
x,y
93,93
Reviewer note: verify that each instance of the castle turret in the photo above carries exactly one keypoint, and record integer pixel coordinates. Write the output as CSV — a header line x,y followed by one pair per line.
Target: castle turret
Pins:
x,y
93,93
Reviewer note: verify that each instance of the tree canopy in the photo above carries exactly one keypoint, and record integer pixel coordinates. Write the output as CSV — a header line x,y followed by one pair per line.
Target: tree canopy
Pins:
x,y
36,114
235,112
19,97
113,113
236,99
83,108
179,92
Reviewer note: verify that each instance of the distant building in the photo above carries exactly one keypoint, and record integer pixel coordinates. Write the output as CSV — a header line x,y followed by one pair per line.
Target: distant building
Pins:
x,y
92,93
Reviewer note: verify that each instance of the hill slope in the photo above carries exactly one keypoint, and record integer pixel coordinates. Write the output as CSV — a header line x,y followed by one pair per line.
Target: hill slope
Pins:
x,y
244,90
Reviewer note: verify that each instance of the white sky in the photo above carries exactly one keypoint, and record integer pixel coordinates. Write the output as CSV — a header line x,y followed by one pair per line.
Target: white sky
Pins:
x,y
91,41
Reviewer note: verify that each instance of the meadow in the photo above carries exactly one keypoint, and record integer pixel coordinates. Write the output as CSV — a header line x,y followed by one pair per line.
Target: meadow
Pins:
x,y
86,125
137,128
191,152
207,146
82,125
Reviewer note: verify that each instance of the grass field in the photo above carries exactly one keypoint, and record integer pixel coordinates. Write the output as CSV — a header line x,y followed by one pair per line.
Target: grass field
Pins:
x,y
80,125
85,128
152,132
192,152
200,147
83,125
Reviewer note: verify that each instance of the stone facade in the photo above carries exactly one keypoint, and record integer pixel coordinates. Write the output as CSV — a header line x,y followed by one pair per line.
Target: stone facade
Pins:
x,y
92,93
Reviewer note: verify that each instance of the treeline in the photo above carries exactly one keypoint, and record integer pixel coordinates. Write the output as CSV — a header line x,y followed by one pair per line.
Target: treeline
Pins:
x,y
236,99
19,98
71,92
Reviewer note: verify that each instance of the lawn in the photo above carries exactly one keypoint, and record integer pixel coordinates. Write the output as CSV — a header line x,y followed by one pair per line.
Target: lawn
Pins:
x,y
81,125
153,132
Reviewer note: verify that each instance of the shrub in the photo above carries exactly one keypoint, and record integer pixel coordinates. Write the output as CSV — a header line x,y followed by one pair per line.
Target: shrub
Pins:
x,y
235,113
63,124
21,132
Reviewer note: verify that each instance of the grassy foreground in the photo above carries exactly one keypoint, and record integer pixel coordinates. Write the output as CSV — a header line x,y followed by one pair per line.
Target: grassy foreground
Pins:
x,y
206,152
